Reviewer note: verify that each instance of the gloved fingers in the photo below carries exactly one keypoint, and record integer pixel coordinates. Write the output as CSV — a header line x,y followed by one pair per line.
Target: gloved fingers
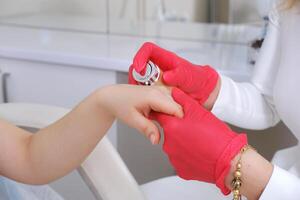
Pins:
x,y
131,80
185,100
175,78
159,56
145,126
161,118
161,101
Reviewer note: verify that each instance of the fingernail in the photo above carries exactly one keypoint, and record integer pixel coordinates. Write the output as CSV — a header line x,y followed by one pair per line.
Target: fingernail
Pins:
x,y
152,138
181,114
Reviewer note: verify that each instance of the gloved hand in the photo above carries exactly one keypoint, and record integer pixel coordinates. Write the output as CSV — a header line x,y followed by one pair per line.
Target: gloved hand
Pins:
x,y
199,146
195,80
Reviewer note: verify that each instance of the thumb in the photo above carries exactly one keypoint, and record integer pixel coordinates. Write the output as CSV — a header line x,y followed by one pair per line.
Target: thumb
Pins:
x,y
131,80
142,56
159,56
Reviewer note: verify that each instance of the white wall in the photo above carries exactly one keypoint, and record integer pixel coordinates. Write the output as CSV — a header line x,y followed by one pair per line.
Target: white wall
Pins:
x,y
80,7
148,9
9,7
243,11
193,10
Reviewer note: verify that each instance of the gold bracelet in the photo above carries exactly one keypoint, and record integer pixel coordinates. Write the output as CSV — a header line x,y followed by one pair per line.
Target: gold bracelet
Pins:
x,y
237,181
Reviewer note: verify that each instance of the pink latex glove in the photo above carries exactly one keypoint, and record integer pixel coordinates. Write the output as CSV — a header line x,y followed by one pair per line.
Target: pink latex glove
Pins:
x,y
195,80
199,146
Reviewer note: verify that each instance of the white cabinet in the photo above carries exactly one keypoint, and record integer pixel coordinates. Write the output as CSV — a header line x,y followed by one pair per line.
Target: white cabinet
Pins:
x,y
53,84
48,83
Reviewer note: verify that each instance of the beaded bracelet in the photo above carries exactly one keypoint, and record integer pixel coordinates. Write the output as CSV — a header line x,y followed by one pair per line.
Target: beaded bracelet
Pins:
x,y
237,181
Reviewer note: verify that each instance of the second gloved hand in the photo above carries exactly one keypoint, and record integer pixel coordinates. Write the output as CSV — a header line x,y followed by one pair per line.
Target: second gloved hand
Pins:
x,y
197,81
199,146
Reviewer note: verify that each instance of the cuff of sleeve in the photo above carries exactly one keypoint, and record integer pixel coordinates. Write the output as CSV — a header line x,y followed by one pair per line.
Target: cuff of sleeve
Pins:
x,y
282,185
223,99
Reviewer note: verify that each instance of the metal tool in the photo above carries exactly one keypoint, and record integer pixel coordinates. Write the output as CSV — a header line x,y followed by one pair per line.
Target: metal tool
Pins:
x,y
151,76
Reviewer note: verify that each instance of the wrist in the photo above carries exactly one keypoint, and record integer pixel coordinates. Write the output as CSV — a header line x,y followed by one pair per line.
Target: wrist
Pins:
x,y
209,103
256,172
102,98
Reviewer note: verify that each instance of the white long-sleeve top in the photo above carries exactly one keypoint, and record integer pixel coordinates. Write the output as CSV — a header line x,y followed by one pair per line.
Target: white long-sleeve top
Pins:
x,y
272,94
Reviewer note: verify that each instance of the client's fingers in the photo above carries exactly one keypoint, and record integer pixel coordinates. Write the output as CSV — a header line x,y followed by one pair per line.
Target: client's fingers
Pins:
x,y
145,126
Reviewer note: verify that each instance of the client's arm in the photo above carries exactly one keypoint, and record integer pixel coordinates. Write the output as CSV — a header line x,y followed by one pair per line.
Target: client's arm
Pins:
x,y
59,148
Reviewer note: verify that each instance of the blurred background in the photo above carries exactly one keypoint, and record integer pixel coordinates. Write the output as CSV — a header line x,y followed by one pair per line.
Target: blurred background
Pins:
x,y
160,18
58,51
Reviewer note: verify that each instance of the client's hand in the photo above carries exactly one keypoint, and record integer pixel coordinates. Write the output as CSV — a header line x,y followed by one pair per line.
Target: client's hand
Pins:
x,y
197,81
132,105
199,145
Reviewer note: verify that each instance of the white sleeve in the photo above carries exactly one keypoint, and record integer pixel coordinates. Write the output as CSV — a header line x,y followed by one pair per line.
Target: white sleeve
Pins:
x,y
282,185
243,105
250,105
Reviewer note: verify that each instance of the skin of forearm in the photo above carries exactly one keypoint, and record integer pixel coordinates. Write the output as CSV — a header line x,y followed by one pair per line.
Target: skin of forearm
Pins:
x,y
59,148
256,173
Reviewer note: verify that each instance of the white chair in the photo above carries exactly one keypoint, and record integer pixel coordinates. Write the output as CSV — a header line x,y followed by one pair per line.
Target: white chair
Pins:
x,y
104,171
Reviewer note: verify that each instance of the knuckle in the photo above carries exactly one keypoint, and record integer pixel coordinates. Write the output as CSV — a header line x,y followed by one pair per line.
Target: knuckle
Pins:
x,y
147,45
144,128
163,90
154,94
